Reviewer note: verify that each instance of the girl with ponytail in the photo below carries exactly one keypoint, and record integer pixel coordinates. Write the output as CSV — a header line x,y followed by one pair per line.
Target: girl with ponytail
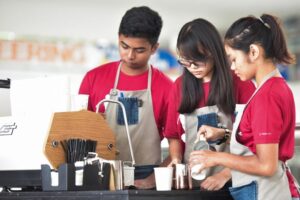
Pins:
x,y
262,138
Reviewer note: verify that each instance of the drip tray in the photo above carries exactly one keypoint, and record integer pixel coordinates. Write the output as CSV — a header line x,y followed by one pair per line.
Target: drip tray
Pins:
x,y
21,179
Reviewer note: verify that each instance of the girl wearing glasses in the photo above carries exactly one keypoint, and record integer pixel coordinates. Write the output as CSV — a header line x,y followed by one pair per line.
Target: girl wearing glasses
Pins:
x,y
204,95
263,134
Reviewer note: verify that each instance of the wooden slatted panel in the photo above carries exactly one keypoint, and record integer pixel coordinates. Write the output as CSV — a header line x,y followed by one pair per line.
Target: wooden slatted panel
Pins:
x,y
83,125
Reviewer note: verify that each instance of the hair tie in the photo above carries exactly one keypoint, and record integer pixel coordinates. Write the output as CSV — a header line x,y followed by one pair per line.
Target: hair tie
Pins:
x,y
264,23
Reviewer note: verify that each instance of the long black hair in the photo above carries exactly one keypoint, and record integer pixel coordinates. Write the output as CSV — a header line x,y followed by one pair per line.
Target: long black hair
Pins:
x,y
265,31
199,39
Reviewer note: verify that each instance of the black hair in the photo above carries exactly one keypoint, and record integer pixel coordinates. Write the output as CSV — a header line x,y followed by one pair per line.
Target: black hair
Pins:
x,y
200,40
265,31
141,22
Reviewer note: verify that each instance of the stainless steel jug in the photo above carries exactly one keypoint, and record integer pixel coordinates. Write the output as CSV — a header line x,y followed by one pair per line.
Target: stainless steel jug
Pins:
x,y
118,175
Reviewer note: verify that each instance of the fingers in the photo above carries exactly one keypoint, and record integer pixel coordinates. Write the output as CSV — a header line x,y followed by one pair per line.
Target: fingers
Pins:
x,y
170,164
196,161
205,157
147,183
200,153
201,131
174,162
212,184
205,132
216,181
210,133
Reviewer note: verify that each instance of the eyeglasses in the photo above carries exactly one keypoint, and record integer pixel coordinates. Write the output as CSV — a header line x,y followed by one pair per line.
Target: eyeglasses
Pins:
x,y
188,63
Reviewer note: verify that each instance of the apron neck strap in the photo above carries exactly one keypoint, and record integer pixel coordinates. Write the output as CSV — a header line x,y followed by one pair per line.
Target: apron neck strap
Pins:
x,y
265,79
118,76
238,118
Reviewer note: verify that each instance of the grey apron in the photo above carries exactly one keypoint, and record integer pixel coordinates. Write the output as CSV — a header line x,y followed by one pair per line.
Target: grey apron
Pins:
x,y
209,115
142,126
251,187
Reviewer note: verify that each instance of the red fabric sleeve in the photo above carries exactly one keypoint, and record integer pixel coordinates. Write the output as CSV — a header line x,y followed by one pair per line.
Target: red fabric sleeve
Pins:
x,y
161,86
270,118
85,89
173,125
267,119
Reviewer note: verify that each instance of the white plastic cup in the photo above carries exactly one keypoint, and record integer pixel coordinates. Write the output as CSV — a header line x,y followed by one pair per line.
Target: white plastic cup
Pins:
x,y
195,172
163,178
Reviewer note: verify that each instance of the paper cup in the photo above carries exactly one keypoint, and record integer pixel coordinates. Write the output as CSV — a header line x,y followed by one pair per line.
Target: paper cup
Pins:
x,y
163,178
195,172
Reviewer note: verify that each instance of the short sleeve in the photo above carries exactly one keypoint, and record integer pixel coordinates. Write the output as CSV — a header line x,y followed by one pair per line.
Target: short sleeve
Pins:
x,y
173,125
85,88
85,85
267,119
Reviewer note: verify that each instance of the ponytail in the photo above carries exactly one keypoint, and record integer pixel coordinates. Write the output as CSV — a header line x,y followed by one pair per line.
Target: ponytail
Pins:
x,y
278,48
265,31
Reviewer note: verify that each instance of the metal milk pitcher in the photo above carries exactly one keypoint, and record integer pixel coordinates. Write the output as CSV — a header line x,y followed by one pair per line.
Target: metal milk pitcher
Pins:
x,y
128,172
117,166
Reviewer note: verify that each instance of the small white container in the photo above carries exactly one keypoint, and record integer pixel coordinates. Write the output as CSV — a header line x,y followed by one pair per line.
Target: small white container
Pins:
x,y
54,178
128,175
195,172
79,173
163,178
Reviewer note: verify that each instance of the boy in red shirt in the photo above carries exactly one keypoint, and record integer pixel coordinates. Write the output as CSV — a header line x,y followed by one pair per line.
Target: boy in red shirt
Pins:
x,y
140,87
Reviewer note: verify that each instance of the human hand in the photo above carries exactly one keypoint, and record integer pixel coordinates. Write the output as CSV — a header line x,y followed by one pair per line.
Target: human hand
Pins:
x,y
204,157
211,133
174,161
215,182
146,183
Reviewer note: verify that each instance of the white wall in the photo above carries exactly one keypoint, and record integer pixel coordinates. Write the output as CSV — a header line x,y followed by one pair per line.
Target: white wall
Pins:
x,y
93,19
99,19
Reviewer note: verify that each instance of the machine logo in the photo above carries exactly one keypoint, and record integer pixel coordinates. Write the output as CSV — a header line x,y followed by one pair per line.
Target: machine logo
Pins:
x,y
7,129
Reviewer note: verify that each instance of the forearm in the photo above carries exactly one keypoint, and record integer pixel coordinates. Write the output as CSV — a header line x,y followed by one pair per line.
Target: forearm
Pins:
x,y
175,149
213,133
263,163
166,161
247,164
217,181
226,173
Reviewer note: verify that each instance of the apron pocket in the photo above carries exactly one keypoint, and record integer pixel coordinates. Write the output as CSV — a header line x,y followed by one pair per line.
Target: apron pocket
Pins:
x,y
131,105
143,171
210,119
245,192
